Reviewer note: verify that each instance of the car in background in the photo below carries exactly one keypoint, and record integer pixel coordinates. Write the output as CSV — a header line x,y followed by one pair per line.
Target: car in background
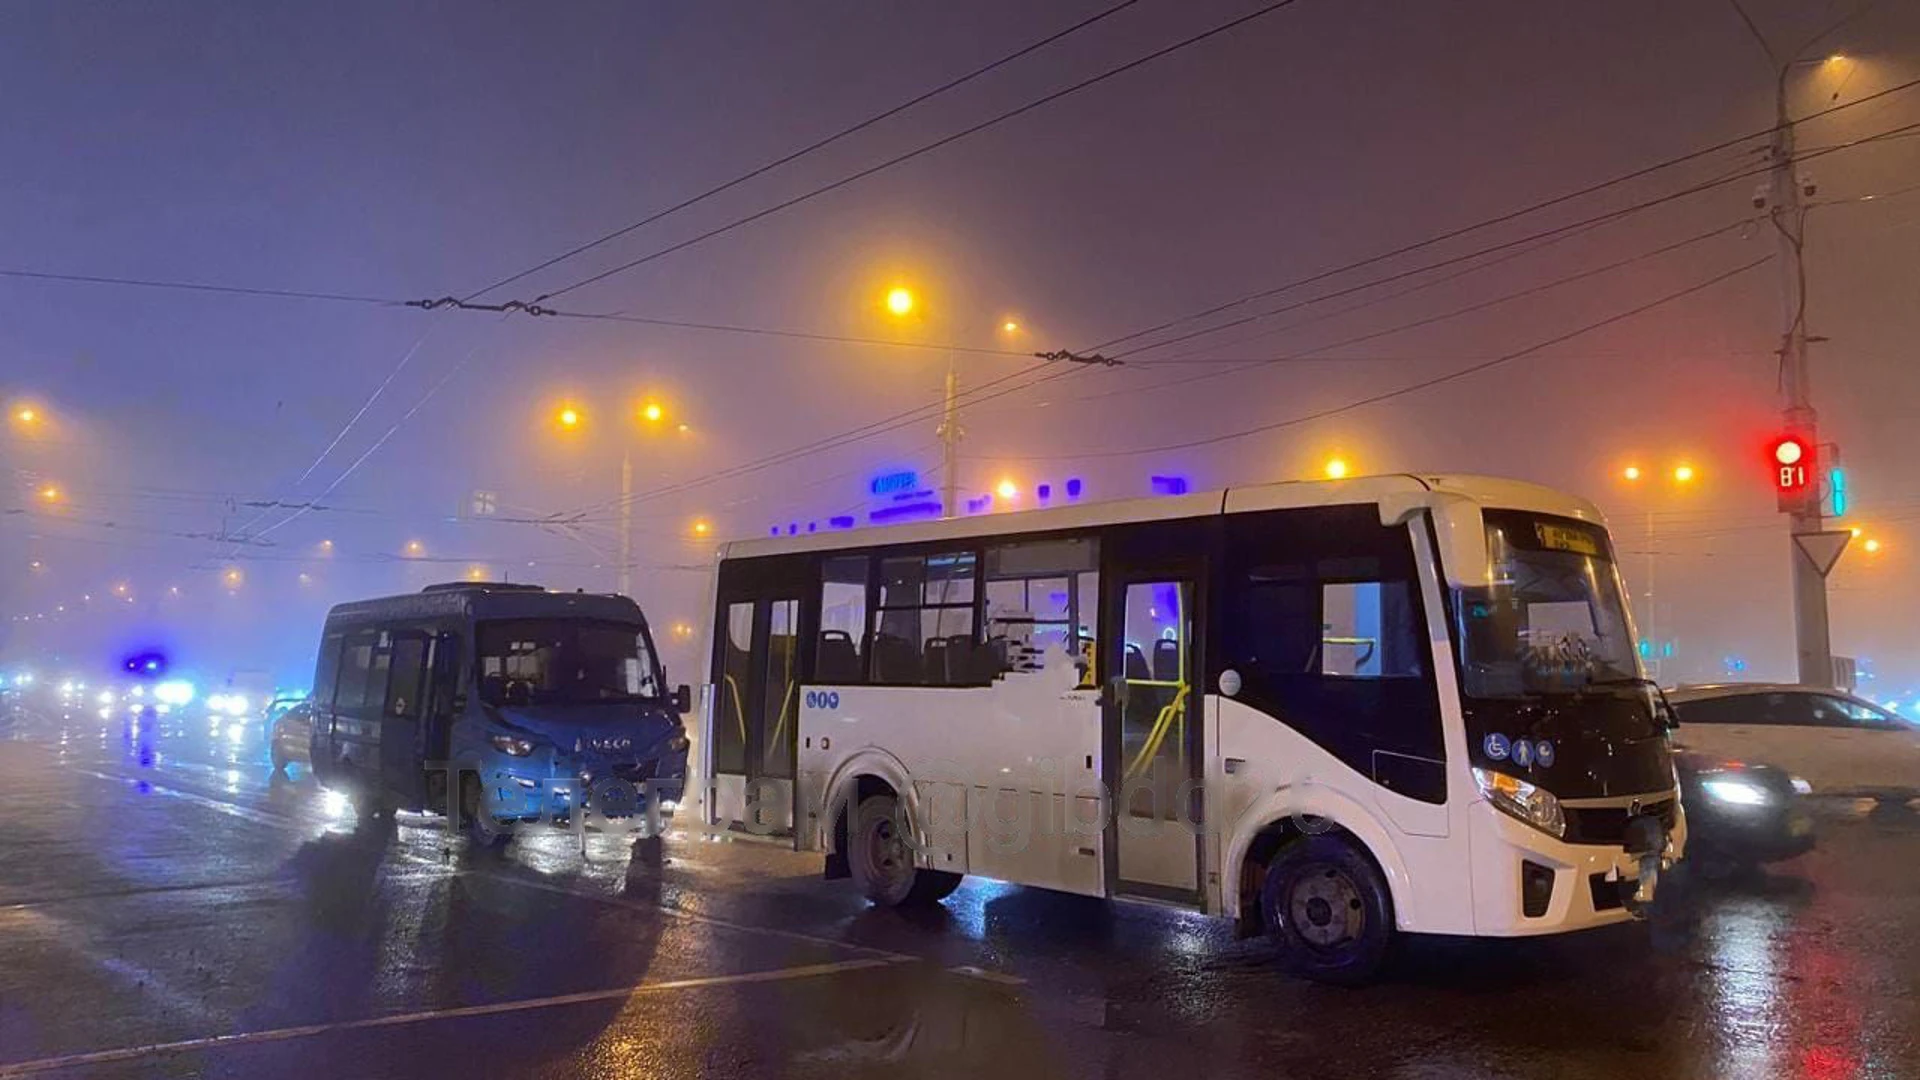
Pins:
x,y
1739,814
1840,744
290,735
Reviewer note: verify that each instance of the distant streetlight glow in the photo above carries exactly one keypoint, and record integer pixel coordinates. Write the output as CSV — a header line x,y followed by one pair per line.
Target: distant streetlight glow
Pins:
x,y
476,573
1856,531
701,528
900,301
569,418
326,546
233,578
1873,547
415,547
651,412
1011,326
1336,469
1007,489
26,414
1631,472
50,493
1683,474
36,565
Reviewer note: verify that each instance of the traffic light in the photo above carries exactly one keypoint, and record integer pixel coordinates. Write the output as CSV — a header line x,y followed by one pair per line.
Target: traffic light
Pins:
x,y
1792,461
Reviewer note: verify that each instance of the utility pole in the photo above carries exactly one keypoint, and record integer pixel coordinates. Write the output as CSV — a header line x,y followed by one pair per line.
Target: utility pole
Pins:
x,y
625,578
950,435
1812,640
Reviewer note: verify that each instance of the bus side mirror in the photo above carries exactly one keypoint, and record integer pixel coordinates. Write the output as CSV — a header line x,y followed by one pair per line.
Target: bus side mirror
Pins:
x,y
683,699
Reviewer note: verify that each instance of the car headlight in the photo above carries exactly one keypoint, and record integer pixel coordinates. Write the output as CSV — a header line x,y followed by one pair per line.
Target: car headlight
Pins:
x,y
1735,792
507,744
1529,802
1801,787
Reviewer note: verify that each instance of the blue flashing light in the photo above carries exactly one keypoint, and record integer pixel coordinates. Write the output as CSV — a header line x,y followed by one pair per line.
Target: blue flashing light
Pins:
x,y
904,511
1646,648
894,483
1073,488
1043,492
813,526
979,505
793,528
144,665
1168,485
774,531
842,521
1837,484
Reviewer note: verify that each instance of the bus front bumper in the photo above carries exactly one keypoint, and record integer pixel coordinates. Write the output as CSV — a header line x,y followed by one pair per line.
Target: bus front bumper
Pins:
x,y
1526,882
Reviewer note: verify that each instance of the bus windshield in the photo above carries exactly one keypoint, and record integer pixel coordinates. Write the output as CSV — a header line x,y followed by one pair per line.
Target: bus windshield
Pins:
x,y
565,662
1553,620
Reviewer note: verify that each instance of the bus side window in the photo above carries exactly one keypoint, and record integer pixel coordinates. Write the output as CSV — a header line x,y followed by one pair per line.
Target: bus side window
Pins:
x,y
406,685
326,670
356,662
840,655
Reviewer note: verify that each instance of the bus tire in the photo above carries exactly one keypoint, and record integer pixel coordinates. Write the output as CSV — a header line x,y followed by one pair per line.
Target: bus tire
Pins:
x,y
481,829
1327,908
880,854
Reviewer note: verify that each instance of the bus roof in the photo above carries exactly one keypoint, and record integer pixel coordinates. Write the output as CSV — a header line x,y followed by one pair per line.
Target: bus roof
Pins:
x,y
1488,491
486,600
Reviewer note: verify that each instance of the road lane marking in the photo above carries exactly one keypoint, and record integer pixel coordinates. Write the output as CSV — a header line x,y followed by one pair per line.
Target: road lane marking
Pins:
x,y
973,972
245,1038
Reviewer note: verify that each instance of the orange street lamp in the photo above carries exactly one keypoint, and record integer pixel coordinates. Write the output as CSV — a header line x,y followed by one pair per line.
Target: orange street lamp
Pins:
x,y
1336,469
1007,489
568,418
701,528
415,547
50,493
900,300
652,413
1631,472
1683,474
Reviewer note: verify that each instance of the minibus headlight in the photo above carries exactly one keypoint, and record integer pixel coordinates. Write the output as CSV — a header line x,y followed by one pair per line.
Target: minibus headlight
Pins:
x,y
507,744
1735,792
1529,802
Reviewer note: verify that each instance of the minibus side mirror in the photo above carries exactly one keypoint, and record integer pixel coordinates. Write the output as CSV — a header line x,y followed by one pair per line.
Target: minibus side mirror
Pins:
x,y
683,699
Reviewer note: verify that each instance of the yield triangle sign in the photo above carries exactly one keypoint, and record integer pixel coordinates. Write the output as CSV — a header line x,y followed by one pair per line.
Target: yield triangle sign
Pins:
x,y
1823,549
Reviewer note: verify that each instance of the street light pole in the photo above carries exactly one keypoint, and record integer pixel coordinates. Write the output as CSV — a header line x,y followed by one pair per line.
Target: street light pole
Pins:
x,y
1813,644
625,577
950,435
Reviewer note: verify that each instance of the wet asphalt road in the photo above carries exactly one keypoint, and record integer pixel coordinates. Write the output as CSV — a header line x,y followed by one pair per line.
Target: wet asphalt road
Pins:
x,y
168,909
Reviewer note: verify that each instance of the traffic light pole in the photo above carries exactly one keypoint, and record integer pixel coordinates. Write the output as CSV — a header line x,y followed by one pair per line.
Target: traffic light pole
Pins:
x,y
1813,644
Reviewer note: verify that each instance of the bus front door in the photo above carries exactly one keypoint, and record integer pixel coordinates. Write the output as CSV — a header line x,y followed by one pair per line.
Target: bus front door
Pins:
x,y
756,714
1151,697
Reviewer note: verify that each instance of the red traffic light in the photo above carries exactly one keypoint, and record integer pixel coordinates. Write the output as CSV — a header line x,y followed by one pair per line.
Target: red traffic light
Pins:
x,y
1791,461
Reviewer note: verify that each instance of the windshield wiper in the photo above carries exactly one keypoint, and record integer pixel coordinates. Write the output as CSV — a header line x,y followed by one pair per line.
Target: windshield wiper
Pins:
x,y
1668,718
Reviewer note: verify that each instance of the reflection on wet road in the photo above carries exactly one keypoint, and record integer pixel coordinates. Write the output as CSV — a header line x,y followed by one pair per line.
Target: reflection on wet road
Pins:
x,y
168,908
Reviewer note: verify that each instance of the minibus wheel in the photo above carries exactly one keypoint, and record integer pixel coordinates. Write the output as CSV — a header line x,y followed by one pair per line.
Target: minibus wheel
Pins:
x,y
481,828
880,854
1328,909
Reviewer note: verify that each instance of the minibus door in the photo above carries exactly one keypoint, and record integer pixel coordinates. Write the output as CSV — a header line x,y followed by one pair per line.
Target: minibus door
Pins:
x,y
1151,704
757,713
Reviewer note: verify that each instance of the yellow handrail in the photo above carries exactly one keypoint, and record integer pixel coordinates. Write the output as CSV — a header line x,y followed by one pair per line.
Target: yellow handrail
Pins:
x,y
739,710
1158,735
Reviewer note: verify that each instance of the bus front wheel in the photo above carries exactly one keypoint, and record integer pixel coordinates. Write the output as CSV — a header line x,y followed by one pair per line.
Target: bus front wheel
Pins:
x,y
1328,909
880,855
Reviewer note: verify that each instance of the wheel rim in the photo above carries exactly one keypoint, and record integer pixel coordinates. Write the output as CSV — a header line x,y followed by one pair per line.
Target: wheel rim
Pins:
x,y
1325,907
888,860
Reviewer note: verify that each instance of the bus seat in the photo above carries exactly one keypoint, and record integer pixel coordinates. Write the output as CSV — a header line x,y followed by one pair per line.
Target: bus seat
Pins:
x,y
838,661
895,660
1136,664
934,658
1166,660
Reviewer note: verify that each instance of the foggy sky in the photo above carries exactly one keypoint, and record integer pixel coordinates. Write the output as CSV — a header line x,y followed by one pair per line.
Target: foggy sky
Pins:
x,y
412,150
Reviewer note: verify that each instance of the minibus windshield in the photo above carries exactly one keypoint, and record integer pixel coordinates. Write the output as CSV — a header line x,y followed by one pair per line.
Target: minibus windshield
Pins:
x,y
565,662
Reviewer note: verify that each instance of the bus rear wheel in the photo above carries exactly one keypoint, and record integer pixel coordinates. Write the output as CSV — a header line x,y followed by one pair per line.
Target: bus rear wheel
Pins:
x,y
1328,909
880,855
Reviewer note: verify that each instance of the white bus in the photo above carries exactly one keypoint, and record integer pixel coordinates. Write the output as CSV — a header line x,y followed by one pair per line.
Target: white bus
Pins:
x,y
1329,710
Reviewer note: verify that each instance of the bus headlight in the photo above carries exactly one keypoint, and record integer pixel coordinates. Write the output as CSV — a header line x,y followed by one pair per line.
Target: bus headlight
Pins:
x,y
511,746
1515,797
